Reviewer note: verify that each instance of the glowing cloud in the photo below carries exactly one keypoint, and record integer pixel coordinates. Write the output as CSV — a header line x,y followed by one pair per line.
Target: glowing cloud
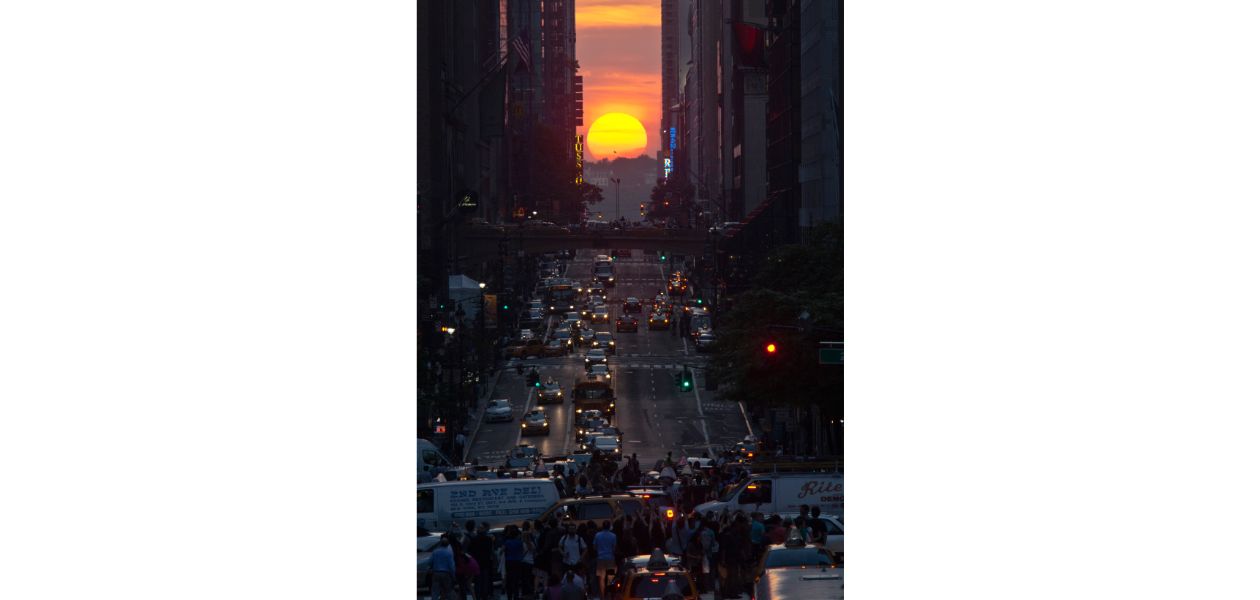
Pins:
x,y
616,132
617,13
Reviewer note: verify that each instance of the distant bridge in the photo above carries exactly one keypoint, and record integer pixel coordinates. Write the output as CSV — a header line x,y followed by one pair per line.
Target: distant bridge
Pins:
x,y
479,245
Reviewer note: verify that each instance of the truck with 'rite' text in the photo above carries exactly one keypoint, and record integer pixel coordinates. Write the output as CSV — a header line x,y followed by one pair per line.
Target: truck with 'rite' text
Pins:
x,y
782,493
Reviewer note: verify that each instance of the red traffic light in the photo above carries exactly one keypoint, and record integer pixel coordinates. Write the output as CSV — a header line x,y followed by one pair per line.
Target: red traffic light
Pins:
x,y
770,348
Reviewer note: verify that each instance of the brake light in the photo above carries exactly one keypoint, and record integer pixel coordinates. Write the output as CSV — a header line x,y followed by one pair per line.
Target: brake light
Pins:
x,y
669,513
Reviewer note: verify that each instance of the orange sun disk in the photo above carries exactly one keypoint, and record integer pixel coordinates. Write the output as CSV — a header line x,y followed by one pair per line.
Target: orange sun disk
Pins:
x,y
617,132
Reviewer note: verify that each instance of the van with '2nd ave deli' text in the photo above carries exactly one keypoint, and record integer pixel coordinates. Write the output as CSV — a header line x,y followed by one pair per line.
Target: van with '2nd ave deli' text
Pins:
x,y
783,493
496,501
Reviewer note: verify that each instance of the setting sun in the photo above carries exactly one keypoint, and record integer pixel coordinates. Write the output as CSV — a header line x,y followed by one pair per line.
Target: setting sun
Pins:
x,y
617,132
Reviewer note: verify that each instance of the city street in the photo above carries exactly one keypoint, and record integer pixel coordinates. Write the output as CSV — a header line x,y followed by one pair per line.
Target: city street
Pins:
x,y
653,415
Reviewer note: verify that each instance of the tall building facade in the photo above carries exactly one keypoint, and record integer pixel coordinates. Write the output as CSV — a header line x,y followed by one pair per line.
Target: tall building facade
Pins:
x,y
669,78
744,128
559,57
705,27
819,172
460,145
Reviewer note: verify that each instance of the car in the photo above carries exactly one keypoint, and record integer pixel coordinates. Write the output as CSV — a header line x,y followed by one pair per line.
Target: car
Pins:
x,y
566,336
596,508
556,348
595,357
627,323
498,410
536,422
549,392
586,336
533,319
525,348
589,427
724,228
621,254
599,369
573,317
793,553
658,320
607,445
835,531
652,580
604,341
632,305
599,314
536,304
705,342
520,456
596,290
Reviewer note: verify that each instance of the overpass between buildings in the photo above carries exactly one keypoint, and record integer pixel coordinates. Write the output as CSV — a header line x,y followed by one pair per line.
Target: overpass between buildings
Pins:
x,y
477,246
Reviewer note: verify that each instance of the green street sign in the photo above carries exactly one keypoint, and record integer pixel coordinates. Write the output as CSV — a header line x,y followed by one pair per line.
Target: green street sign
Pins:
x,y
831,356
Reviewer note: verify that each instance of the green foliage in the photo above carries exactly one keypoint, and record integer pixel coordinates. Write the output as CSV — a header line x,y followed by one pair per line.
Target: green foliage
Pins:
x,y
795,278
669,197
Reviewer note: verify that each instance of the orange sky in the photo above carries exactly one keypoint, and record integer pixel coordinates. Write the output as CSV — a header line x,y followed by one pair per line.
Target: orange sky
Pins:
x,y
619,49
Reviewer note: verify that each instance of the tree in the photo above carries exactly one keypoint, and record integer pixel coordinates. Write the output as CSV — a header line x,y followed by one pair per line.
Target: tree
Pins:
x,y
671,196
793,279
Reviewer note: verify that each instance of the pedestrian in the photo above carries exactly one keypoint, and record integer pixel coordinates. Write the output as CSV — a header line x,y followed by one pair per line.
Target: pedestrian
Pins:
x,y
513,555
459,447
605,555
775,532
442,562
553,587
482,550
571,548
571,590
756,535
818,527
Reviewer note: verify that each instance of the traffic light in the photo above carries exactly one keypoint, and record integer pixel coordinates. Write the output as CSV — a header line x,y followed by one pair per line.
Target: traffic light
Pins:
x,y
678,381
771,349
686,379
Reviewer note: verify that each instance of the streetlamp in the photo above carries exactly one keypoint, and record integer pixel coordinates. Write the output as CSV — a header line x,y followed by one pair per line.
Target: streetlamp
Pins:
x,y
481,339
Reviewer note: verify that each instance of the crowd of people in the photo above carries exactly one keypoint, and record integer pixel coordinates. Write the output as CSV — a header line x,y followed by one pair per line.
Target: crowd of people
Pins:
x,y
565,559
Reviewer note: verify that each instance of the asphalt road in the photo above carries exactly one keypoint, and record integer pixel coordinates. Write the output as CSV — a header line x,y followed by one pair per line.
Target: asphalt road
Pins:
x,y
654,416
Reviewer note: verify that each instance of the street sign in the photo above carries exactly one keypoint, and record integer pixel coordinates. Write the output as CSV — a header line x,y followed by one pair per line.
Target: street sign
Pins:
x,y
469,200
831,356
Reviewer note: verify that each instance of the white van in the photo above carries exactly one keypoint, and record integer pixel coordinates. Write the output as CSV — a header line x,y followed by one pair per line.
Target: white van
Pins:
x,y
429,459
496,501
783,493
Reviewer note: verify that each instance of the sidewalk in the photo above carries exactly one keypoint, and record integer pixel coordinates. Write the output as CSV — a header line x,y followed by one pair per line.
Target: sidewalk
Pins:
x,y
479,411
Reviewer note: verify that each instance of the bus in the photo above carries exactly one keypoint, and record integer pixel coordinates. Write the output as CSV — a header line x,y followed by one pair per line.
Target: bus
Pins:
x,y
594,391
559,296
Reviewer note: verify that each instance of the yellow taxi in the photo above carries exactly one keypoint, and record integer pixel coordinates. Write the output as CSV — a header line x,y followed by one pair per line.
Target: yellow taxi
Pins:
x,y
658,320
657,578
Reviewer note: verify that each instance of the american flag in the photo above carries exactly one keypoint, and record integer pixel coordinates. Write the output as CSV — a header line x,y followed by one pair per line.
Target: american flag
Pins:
x,y
522,50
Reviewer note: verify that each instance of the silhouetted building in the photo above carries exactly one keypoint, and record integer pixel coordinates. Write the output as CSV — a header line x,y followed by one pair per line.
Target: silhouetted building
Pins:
x,y
820,112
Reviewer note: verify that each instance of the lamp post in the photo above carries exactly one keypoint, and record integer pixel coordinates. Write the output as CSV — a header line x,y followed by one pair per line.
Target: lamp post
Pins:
x,y
481,340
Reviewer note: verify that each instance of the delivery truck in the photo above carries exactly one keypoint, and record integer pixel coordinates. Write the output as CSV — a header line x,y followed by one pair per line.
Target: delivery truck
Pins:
x,y
496,501
782,493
